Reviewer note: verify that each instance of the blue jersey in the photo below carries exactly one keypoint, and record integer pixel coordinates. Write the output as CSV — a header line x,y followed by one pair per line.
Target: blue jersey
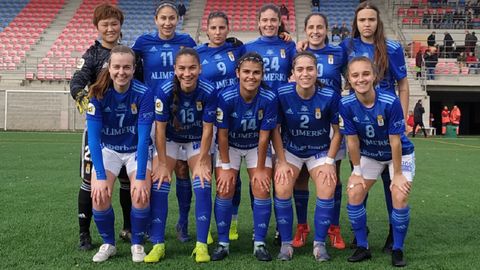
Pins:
x,y
245,120
219,64
397,68
158,55
331,60
306,122
120,115
277,59
374,125
192,109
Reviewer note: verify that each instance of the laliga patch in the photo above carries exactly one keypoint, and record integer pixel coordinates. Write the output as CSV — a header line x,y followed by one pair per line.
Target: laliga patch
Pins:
x,y
260,114
80,63
340,122
231,56
158,106
199,106
282,53
330,59
380,121
91,109
133,108
318,113
219,115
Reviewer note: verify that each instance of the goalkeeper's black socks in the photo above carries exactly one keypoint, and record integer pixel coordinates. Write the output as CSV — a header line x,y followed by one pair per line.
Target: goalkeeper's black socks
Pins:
x,y
84,209
126,203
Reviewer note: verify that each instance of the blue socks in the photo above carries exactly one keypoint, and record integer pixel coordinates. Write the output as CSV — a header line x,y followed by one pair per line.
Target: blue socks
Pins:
x,y
337,197
105,221
358,218
139,218
223,217
301,205
237,196
400,220
203,208
159,210
184,198
262,210
323,217
284,216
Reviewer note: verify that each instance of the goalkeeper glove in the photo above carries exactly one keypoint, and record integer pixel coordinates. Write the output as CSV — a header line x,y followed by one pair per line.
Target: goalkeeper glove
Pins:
x,y
81,101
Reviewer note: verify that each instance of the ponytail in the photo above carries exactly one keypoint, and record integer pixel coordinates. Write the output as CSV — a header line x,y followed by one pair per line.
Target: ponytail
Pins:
x,y
175,103
98,89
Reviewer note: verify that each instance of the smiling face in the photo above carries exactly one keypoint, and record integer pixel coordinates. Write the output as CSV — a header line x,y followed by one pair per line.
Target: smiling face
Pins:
x,y
166,21
361,76
316,31
250,75
217,31
187,70
269,23
305,72
109,29
121,69
367,21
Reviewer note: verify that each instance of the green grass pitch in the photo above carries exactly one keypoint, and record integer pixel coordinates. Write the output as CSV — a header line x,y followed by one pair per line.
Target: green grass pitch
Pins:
x,y
39,227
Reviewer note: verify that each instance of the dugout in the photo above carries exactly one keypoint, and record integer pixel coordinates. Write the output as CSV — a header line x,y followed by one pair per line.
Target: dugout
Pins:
x,y
466,98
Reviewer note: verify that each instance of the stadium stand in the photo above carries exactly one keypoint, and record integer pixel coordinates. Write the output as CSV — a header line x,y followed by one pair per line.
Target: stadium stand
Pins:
x,y
338,12
243,14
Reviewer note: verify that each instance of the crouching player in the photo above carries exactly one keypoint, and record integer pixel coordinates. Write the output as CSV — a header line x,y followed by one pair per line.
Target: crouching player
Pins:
x,y
307,111
373,123
119,120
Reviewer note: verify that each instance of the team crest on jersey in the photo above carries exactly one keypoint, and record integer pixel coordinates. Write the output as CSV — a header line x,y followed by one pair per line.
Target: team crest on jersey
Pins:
x,y
318,113
133,108
380,120
91,109
158,106
282,53
87,168
340,122
199,106
231,56
219,115
330,59
260,114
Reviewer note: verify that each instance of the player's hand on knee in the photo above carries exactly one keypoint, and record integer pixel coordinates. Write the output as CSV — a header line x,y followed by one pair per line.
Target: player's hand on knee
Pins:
x,y
101,192
140,191
161,174
262,179
355,180
225,180
283,173
401,182
329,173
203,172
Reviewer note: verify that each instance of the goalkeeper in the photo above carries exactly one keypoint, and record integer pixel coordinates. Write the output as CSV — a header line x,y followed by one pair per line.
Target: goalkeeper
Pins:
x,y
108,20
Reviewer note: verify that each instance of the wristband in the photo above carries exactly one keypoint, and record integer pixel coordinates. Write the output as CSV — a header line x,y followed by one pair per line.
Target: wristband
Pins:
x,y
225,166
329,161
356,170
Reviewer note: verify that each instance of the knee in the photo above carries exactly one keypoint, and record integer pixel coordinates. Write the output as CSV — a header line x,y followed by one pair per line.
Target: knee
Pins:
x,y
399,199
283,192
259,192
226,194
356,195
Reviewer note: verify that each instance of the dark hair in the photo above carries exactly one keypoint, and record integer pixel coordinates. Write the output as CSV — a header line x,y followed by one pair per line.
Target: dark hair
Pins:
x,y
380,57
177,87
275,9
348,86
107,11
324,19
217,14
166,4
255,58
104,81
310,55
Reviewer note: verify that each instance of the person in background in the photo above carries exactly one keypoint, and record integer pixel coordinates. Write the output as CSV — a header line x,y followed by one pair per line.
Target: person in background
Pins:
x,y
182,10
284,12
445,119
418,112
448,45
455,117
419,62
431,60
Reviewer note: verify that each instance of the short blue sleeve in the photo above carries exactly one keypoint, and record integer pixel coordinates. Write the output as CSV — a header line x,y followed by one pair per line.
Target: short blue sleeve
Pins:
x,y
269,121
396,123
345,121
210,109
222,113
396,63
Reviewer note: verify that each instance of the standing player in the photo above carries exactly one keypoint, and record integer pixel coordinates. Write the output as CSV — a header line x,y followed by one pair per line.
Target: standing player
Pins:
x,y
158,51
108,20
184,113
331,60
307,112
246,114
373,123
119,120
277,54
368,39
